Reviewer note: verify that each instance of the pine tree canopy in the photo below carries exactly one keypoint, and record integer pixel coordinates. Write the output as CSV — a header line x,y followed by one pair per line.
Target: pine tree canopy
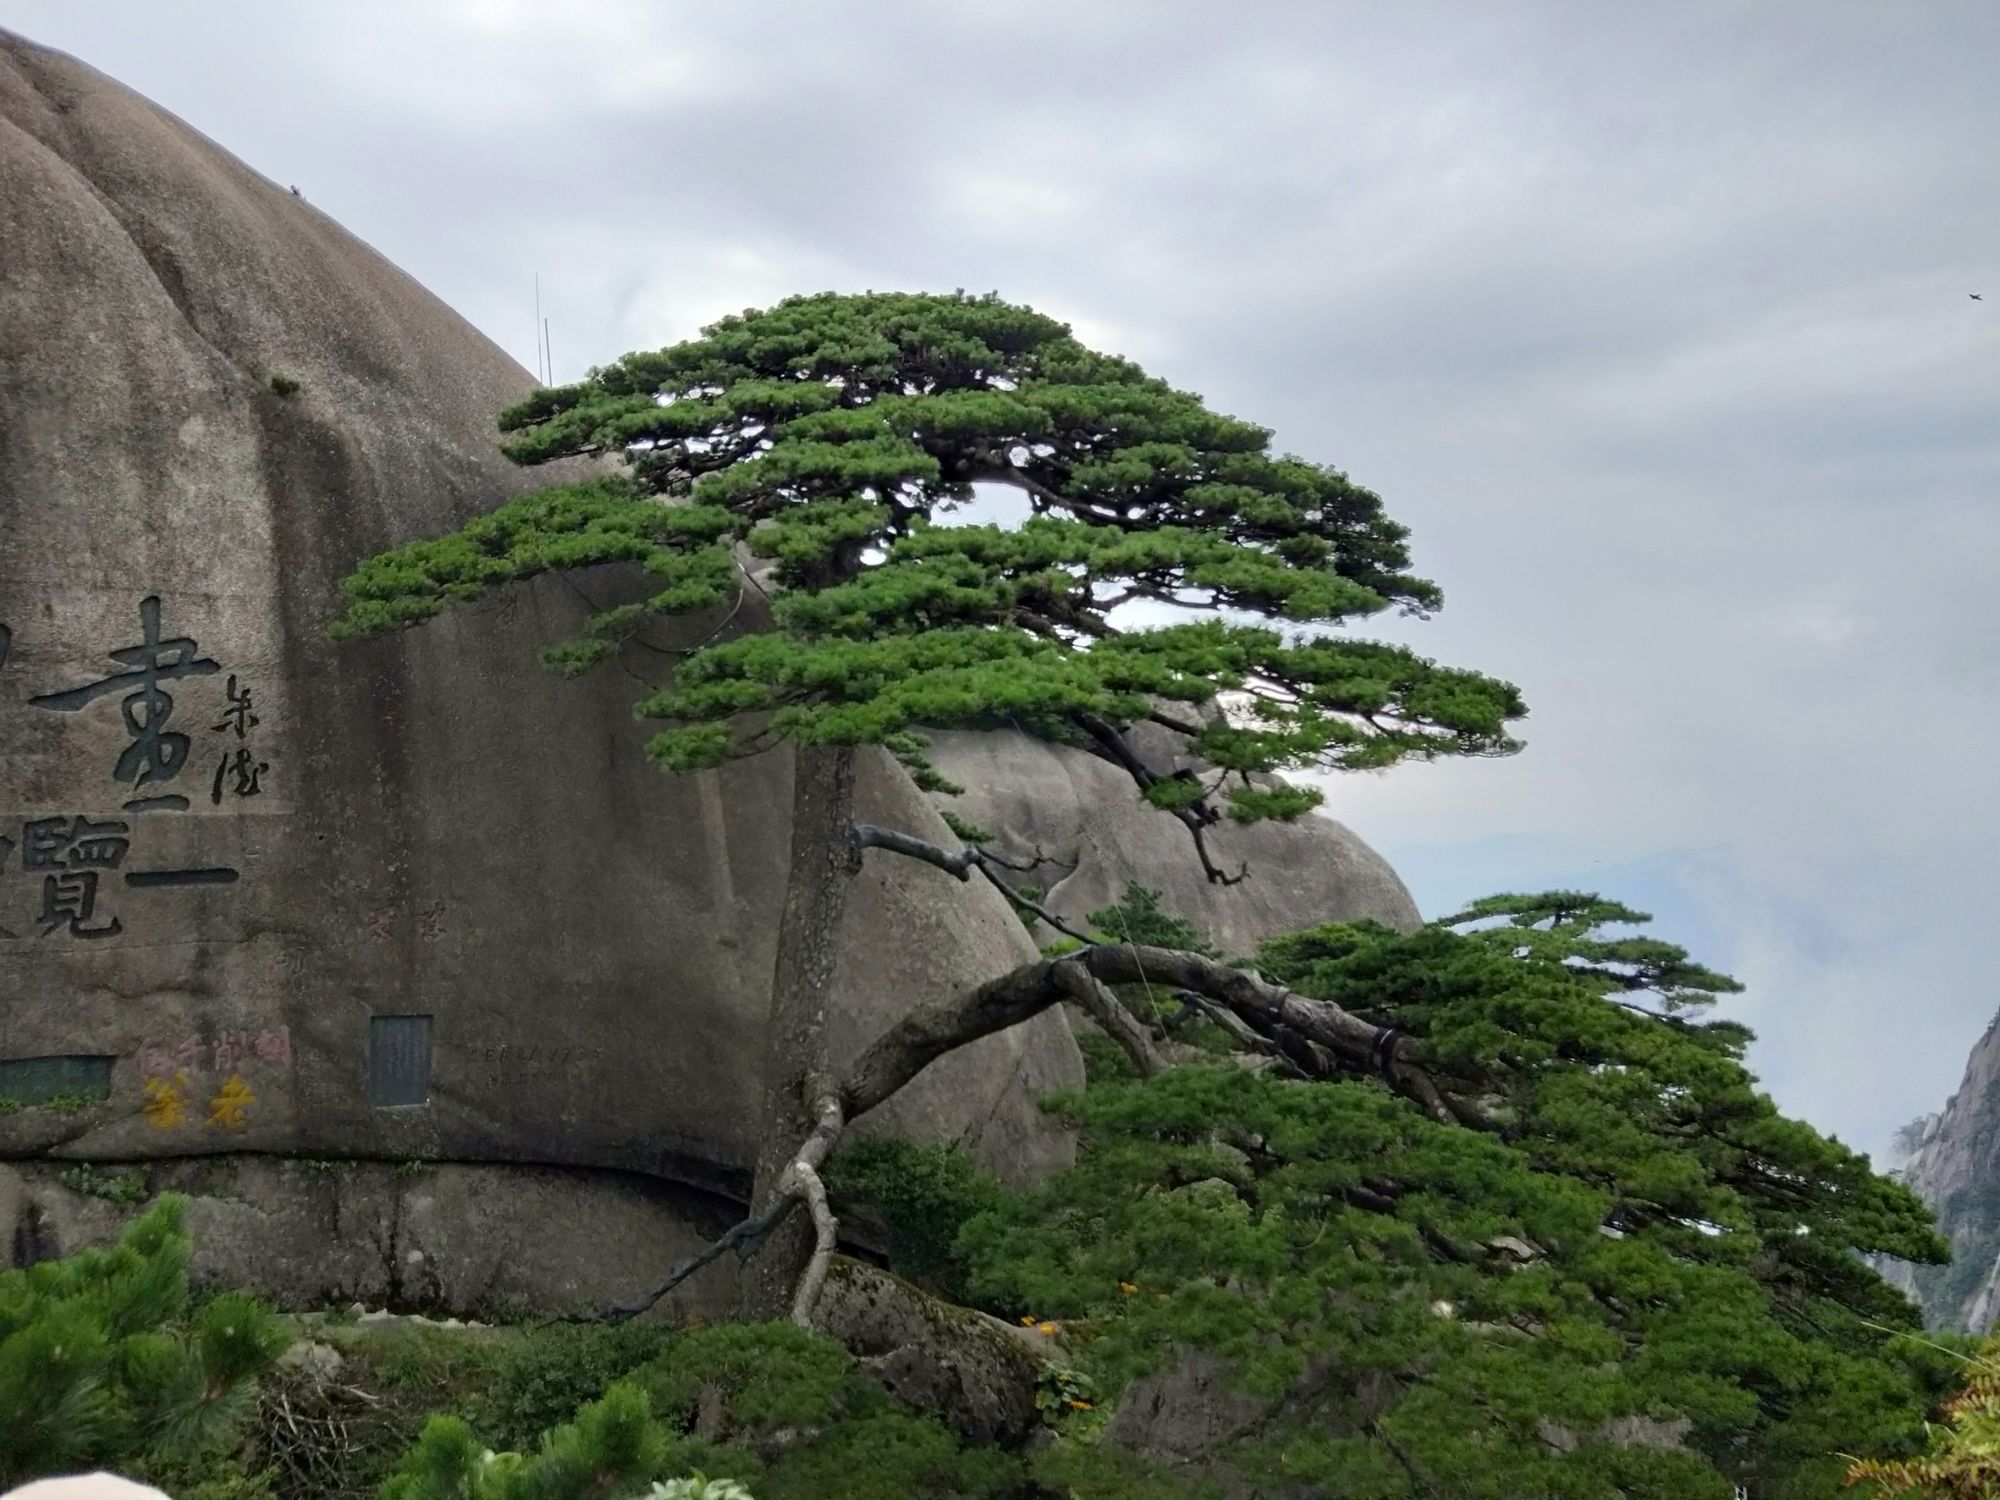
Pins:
x,y
834,436
1635,1247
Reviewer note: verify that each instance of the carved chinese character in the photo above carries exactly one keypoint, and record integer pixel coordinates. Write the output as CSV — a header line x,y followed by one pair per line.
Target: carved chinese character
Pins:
x,y
244,772
71,898
74,844
237,716
273,1046
156,753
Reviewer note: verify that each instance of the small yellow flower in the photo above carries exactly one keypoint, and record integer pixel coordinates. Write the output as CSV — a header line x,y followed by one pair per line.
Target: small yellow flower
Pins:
x,y
1127,1288
1027,1320
1045,1328
1080,1405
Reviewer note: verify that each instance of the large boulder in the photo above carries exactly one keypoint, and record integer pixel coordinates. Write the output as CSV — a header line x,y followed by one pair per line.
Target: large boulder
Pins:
x,y
1078,821
415,899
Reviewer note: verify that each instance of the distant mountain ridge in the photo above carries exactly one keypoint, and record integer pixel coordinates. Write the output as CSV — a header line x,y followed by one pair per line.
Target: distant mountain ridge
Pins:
x,y
1952,1160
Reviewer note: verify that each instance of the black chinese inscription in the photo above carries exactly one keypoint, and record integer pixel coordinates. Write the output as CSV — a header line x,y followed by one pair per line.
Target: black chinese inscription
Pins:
x,y
72,855
73,844
70,900
156,753
242,772
239,773
144,878
70,851
237,718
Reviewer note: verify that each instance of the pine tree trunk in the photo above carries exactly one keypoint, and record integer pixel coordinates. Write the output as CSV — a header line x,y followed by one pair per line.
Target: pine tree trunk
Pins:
x,y
801,985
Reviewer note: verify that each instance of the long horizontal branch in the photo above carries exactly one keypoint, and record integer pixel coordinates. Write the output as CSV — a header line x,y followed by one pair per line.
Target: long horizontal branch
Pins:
x,y
1294,1024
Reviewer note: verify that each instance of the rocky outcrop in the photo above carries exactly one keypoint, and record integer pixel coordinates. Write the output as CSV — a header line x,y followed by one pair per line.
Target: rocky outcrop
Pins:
x,y
974,1373
477,1239
1952,1160
1079,821
415,899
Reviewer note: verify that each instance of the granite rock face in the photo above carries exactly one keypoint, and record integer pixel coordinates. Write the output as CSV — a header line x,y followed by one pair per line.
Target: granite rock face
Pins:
x,y
411,899
485,1239
1080,819
414,900
1952,1160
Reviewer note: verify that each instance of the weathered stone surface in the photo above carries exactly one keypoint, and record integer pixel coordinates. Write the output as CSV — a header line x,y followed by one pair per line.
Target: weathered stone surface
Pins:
x,y
1184,1412
1083,818
977,1375
445,1240
1955,1168
427,826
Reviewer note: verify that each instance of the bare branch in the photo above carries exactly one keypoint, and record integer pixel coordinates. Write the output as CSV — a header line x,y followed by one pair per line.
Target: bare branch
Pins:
x,y
743,1238
1315,1035
959,864
826,1235
1110,1013
1033,907
1197,818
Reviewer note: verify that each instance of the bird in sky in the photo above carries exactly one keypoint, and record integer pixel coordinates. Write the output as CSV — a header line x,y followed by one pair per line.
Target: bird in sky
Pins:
x,y
1975,296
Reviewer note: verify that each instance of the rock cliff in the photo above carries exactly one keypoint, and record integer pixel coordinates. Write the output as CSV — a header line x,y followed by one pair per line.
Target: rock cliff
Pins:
x,y
377,947
1952,1159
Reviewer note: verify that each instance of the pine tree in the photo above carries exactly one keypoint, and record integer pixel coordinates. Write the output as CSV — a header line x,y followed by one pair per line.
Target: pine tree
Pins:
x,y
1615,1272
103,1360
1614,1226
833,437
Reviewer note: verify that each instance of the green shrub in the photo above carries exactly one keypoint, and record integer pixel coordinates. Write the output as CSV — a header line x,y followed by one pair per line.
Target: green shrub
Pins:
x,y
126,1188
546,1376
104,1361
923,1195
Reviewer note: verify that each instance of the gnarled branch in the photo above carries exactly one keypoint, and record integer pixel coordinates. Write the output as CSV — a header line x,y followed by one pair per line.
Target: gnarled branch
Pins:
x,y
1312,1033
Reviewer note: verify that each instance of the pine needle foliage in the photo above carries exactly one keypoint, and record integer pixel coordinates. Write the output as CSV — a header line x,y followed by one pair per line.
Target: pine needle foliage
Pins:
x,y
1639,1242
1961,1460
834,436
792,1417
104,1360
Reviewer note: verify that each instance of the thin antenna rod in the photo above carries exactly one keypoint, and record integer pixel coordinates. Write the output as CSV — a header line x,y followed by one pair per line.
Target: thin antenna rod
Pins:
x,y
552,352
539,377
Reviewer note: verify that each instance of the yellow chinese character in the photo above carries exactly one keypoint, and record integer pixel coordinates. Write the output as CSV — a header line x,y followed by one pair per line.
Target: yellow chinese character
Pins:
x,y
231,1104
166,1103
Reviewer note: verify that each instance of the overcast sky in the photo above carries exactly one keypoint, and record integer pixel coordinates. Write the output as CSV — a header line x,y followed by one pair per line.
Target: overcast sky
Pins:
x,y
1652,321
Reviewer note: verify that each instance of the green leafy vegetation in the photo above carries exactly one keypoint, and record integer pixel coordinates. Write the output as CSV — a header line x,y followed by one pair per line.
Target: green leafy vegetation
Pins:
x,y
784,1412
1961,1459
1636,1235
833,436
126,1188
284,386
104,1358
923,1195
1627,1275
